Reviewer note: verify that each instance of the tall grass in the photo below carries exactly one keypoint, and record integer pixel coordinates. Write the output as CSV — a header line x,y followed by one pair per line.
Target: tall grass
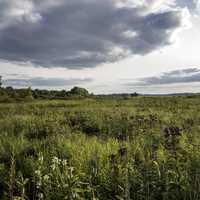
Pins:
x,y
144,148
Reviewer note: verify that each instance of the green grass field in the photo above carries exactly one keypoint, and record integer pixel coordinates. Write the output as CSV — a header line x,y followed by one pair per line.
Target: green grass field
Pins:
x,y
141,148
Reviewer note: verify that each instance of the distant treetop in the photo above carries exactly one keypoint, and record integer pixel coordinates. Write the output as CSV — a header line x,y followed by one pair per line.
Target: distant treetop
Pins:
x,y
78,91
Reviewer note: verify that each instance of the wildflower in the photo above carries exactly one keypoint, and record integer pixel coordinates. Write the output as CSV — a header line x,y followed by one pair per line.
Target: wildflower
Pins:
x,y
64,162
38,172
46,177
56,160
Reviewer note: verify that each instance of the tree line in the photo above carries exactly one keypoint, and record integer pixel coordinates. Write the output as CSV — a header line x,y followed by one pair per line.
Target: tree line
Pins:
x,y
12,94
9,93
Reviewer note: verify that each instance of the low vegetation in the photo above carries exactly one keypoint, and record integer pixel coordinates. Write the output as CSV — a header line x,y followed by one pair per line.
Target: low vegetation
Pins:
x,y
140,148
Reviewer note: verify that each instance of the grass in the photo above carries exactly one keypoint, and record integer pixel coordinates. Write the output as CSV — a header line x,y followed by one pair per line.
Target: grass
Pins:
x,y
141,148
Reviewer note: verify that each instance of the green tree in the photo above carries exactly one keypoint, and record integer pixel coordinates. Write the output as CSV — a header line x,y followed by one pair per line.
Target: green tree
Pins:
x,y
78,91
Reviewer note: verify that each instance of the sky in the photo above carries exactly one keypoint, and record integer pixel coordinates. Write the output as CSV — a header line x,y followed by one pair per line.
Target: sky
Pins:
x,y
107,46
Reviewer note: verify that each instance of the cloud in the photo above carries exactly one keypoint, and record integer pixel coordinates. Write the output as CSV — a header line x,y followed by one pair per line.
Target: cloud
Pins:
x,y
190,4
14,12
190,75
84,33
44,82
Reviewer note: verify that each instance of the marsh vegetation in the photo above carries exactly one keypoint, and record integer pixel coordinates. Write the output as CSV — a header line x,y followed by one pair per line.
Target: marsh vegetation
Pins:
x,y
140,148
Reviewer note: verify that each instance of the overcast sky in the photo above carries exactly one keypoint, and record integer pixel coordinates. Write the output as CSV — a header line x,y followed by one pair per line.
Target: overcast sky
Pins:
x,y
107,46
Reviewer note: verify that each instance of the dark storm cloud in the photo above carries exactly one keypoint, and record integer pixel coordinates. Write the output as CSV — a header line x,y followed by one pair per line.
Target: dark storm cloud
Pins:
x,y
44,82
178,76
80,33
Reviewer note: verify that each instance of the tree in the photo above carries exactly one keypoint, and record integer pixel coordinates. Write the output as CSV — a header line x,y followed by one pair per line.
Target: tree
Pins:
x,y
135,94
78,91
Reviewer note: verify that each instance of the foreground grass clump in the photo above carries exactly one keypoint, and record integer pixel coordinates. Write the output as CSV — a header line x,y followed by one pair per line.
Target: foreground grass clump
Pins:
x,y
137,148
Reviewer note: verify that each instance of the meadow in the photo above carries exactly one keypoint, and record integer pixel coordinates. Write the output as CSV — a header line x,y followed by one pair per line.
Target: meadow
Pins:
x,y
139,148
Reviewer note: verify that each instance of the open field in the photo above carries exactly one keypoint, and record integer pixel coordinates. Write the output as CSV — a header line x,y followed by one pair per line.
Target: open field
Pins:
x,y
140,148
